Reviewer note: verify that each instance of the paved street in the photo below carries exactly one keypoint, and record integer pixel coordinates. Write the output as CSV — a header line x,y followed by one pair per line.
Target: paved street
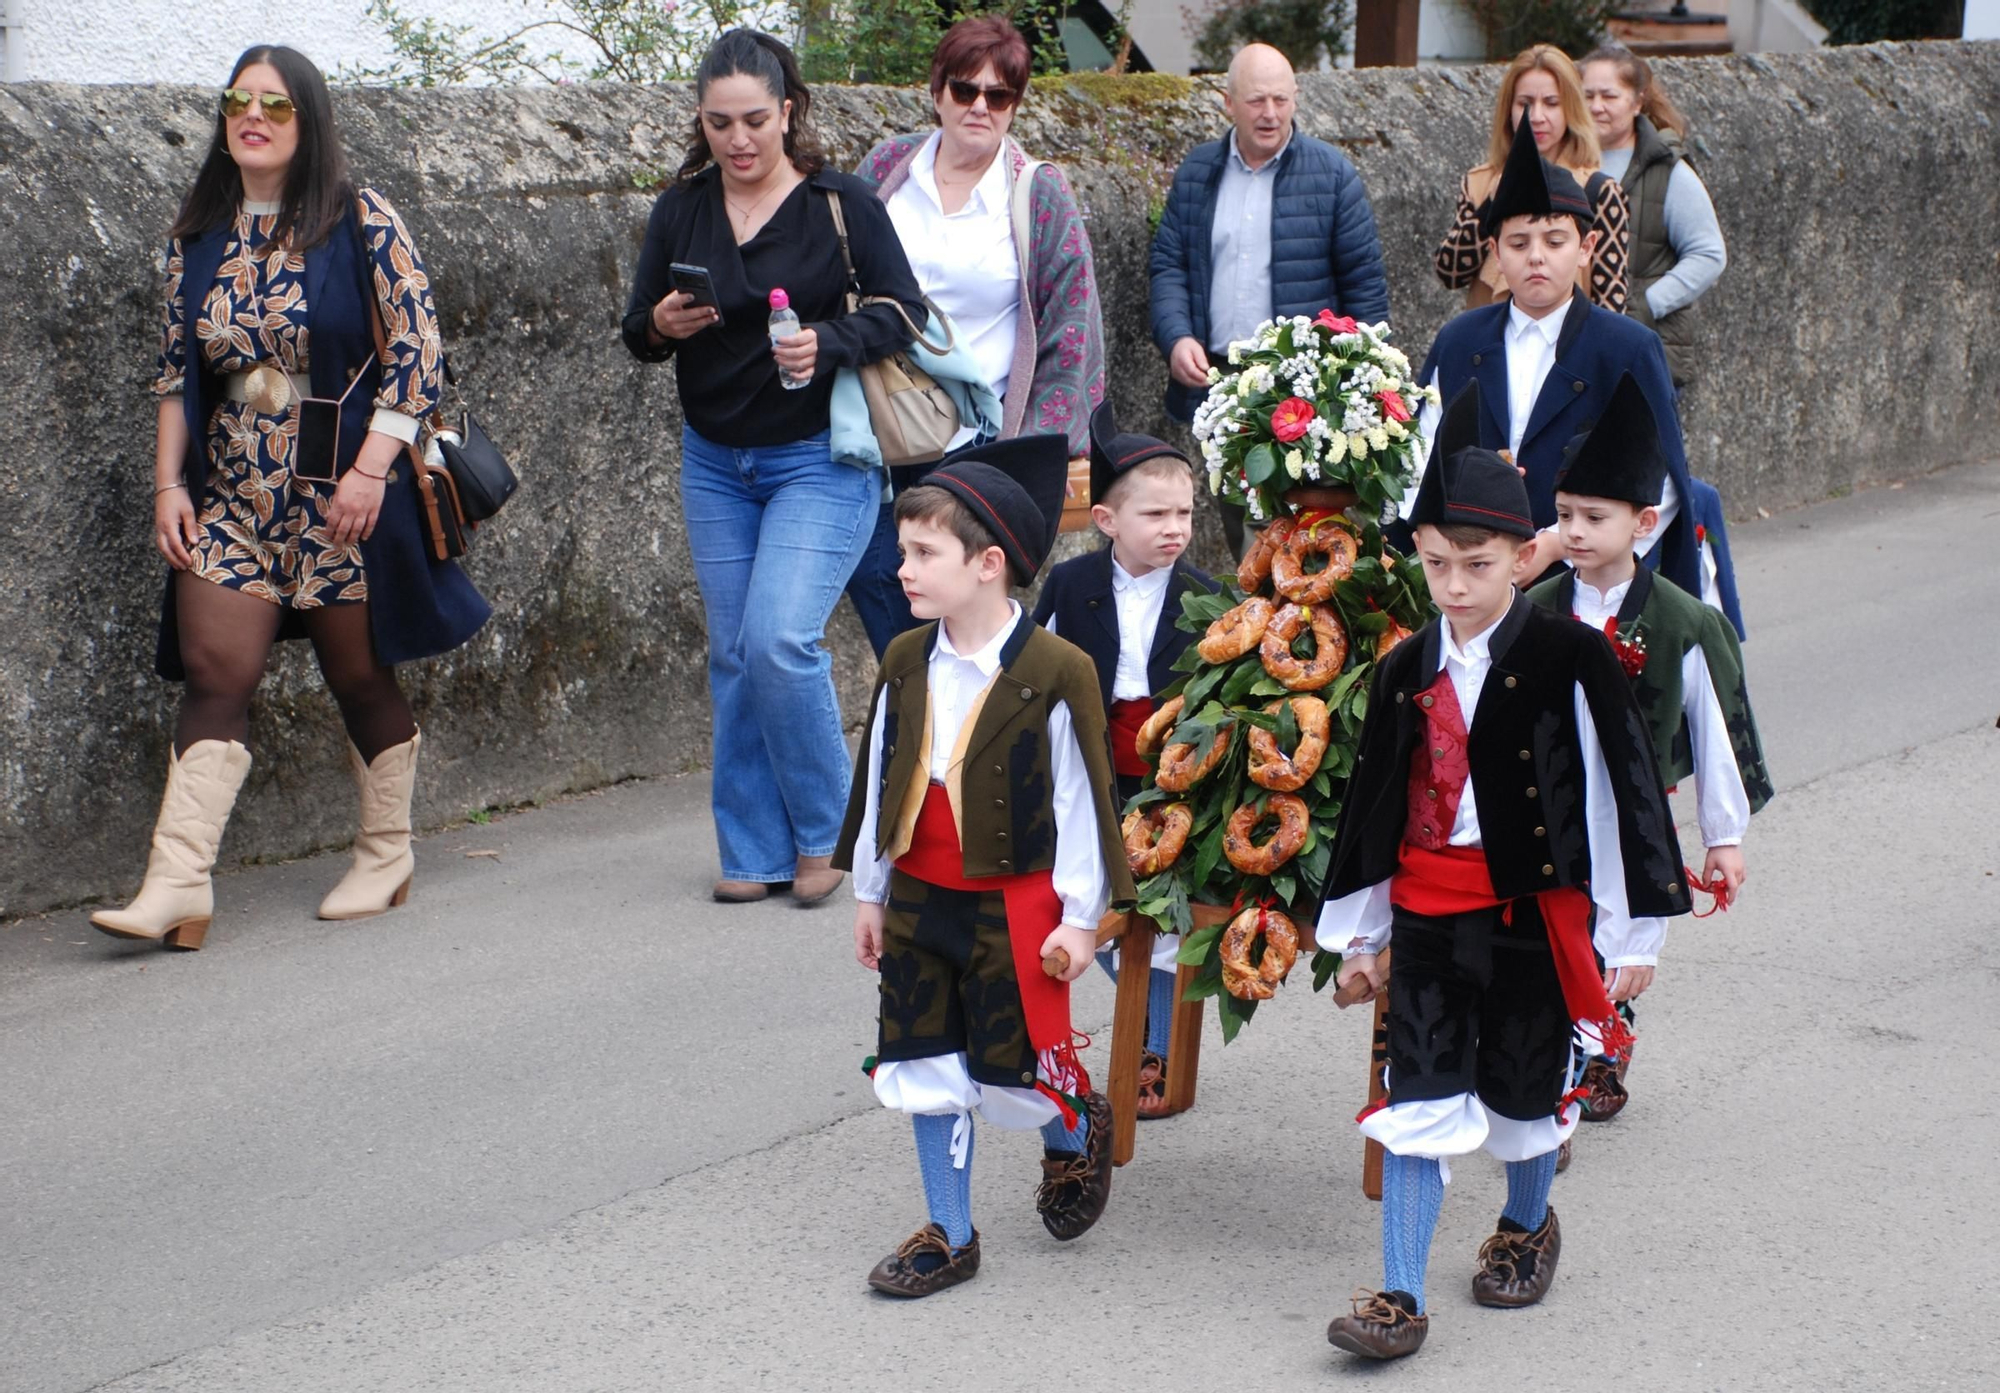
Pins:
x,y
565,1125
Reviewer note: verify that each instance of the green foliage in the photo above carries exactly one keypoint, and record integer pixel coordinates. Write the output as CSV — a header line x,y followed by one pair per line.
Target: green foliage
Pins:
x,y
631,40
870,41
1308,32
1866,21
1574,26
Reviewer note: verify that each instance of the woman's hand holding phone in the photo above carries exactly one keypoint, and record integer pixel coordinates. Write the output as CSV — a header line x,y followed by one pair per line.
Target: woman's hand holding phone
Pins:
x,y
678,317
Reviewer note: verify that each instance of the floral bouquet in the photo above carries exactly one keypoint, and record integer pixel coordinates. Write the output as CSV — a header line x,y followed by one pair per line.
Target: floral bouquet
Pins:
x,y
1313,401
1254,743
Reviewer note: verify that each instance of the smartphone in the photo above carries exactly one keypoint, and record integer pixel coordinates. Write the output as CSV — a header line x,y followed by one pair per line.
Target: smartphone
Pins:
x,y
316,452
695,283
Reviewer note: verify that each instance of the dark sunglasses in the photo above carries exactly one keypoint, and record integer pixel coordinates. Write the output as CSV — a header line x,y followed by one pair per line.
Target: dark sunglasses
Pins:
x,y
277,108
997,98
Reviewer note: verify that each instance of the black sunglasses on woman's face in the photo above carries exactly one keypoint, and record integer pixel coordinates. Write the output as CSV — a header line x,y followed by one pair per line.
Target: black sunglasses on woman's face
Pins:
x,y
966,93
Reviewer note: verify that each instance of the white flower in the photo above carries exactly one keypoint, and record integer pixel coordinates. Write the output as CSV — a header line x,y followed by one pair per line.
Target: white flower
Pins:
x,y
1336,447
1214,375
1396,430
1357,445
1378,439
1235,354
1295,463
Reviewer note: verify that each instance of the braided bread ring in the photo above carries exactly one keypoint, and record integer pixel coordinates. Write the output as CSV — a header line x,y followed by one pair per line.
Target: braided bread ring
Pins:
x,y
1157,725
1256,567
1281,950
1288,566
1155,835
1236,632
1270,766
1246,855
1178,772
1304,674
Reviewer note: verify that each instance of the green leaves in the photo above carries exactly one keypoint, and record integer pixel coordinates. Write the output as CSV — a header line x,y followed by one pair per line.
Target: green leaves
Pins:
x,y
1261,463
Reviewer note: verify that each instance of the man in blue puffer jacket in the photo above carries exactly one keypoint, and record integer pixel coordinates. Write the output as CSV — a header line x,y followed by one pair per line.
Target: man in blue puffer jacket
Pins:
x,y
1265,222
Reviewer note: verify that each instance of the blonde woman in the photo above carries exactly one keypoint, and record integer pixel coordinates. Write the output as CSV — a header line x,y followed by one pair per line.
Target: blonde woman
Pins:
x,y
1541,87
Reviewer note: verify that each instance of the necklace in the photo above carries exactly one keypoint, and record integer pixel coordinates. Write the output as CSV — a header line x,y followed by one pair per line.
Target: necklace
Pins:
x,y
745,214
266,384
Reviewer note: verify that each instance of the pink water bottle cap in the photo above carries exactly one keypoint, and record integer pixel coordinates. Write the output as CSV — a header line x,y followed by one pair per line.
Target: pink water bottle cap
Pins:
x,y
780,300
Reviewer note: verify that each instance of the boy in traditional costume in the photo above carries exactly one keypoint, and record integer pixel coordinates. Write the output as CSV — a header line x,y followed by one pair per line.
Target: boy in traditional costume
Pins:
x,y
1683,660
984,845
1118,604
1483,826
1547,360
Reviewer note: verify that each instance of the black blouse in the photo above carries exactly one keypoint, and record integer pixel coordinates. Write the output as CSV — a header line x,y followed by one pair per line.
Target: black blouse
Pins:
x,y
729,385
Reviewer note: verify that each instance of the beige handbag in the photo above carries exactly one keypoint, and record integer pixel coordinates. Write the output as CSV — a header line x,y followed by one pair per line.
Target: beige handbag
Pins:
x,y
913,418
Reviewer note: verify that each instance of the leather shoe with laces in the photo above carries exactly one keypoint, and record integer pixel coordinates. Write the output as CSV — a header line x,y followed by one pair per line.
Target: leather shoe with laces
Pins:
x,y
1382,1325
925,1263
1607,1096
1077,1185
1516,1267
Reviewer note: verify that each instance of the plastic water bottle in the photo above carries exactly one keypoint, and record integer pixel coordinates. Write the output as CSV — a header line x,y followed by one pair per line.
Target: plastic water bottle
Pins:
x,y
785,323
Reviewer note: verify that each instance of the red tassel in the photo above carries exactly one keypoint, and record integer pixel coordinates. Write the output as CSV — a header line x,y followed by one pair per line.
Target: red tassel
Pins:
x,y
1372,1109
1719,887
1575,1095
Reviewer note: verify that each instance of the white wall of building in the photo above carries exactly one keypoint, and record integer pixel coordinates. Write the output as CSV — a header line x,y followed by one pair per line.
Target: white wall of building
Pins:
x,y
1772,26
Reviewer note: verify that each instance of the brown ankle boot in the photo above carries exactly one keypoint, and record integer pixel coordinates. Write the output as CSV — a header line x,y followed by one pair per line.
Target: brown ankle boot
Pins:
x,y
814,879
741,891
177,899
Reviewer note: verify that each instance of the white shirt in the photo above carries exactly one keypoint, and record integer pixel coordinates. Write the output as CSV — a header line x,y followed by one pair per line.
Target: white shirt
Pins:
x,y
1366,914
965,261
1139,600
1721,805
1531,353
955,682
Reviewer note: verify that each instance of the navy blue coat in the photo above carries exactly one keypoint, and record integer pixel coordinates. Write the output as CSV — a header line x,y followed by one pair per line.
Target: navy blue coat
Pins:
x,y
1596,347
417,606
1077,595
1324,250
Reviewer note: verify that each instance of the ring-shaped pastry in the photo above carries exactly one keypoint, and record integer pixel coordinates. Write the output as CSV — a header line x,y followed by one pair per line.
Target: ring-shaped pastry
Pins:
x,y
1248,857
1178,771
1270,766
1256,567
1304,674
1281,949
1155,836
1154,731
1237,632
1324,538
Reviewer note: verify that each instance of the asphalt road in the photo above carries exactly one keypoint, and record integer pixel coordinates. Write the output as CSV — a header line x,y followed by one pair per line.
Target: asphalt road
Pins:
x,y
563,1124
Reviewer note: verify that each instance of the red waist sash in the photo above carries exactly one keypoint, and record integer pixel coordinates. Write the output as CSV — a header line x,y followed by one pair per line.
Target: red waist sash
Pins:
x,y
1033,911
1125,718
1455,881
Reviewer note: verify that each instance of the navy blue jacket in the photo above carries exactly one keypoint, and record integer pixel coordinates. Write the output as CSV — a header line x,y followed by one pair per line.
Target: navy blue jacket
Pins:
x,y
417,606
1077,595
1595,348
1324,250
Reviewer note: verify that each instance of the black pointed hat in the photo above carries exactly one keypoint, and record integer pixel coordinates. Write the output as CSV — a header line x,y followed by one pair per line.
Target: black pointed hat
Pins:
x,y
1015,488
1620,457
1531,185
1467,485
1112,451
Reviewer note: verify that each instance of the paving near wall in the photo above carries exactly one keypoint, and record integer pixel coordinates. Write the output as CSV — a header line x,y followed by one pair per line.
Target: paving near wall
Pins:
x,y
1855,338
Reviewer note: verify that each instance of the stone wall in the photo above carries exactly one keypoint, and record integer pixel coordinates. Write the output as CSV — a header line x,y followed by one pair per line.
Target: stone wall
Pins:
x,y
1853,339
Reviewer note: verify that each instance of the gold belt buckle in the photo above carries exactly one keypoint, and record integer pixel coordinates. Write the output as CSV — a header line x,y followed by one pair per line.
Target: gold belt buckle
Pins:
x,y
267,388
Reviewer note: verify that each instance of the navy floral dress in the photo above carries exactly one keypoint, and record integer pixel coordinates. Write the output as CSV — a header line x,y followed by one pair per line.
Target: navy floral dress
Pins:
x,y
262,531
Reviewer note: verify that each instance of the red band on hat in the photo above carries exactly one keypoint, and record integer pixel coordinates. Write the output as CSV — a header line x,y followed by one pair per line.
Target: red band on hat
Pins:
x,y
998,521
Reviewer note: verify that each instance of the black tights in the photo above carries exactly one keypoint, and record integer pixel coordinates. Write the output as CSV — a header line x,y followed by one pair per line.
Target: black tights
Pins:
x,y
226,637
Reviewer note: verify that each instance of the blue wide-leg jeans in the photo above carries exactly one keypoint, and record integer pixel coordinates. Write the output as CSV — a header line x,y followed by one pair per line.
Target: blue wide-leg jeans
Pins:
x,y
775,532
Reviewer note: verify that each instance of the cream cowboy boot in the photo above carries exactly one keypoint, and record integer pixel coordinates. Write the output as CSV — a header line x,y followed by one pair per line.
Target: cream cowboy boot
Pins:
x,y
383,862
177,899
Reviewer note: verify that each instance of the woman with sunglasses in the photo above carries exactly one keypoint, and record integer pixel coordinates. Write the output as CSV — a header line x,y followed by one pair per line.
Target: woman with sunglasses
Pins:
x,y
1026,305
282,499
775,523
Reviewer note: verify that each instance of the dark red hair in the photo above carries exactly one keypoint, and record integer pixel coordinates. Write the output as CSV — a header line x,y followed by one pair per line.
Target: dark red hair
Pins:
x,y
971,43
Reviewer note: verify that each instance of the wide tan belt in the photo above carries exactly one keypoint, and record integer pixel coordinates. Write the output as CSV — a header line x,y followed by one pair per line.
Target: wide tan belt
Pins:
x,y
267,387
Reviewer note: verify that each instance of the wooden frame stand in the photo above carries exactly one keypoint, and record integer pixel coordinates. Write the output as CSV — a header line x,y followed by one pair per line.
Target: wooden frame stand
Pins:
x,y
1135,933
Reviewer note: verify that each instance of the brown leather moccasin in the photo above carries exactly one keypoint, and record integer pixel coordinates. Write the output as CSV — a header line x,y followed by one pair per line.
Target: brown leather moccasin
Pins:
x,y
1562,1157
1075,1189
1152,1087
1516,1267
925,1264
1607,1097
1383,1325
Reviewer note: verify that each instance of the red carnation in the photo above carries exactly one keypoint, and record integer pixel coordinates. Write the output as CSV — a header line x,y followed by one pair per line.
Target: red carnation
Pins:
x,y
1335,323
1291,417
1393,406
1631,652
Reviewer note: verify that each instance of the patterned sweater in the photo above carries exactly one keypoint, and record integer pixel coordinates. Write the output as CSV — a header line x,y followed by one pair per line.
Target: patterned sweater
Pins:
x,y
1059,344
1462,262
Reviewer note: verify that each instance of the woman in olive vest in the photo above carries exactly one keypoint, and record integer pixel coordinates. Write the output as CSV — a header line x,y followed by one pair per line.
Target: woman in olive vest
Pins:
x,y
1675,247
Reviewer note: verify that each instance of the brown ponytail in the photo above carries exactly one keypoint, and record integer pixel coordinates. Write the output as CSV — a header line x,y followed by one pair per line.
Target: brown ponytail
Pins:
x,y
1654,104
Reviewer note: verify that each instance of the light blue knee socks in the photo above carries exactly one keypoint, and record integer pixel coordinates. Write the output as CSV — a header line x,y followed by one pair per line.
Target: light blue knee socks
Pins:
x,y
1159,1003
1528,1185
947,1188
1057,1137
1412,1195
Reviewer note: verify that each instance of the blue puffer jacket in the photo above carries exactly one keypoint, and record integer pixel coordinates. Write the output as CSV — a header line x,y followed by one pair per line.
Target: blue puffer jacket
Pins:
x,y
1324,251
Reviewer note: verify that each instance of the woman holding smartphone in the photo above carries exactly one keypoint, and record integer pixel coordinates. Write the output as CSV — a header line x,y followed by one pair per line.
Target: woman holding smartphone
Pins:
x,y
280,497
775,524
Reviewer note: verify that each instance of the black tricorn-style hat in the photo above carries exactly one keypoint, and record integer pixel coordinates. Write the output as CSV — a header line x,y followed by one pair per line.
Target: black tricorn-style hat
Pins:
x,y
1467,485
1620,457
1015,489
1112,451
1531,185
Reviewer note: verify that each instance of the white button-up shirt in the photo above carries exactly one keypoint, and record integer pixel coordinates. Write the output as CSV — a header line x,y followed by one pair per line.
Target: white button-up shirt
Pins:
x,y
1531,353
1239,287
965,261
955,681
1139,600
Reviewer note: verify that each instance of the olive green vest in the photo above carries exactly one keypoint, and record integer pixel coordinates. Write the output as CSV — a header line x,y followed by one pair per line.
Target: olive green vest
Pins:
x,y
1001,791
1649,254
